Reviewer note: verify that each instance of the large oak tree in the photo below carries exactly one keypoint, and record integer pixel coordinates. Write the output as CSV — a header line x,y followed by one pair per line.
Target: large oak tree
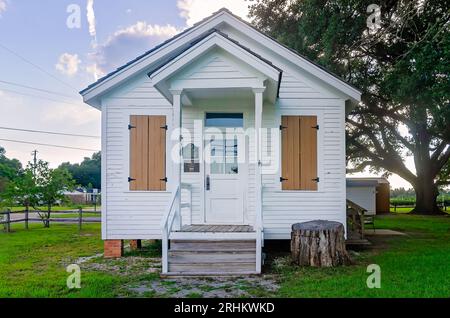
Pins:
x,y
402,67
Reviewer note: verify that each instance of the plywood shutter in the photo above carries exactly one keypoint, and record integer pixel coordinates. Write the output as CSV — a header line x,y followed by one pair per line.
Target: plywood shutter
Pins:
x,y
138,153
299,153
157,153
147,153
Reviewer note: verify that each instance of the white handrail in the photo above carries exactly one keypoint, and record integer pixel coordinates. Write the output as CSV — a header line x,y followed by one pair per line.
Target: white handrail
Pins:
x,y
172,212
187,186
166,226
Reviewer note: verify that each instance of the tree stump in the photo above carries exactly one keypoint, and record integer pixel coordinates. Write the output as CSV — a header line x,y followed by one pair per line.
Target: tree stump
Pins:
x,y
319,243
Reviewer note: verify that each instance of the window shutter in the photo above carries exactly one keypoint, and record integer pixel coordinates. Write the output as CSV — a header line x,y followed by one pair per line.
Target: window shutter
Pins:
x,y
147,153
299,153
157,153
138,153
308,155
290,163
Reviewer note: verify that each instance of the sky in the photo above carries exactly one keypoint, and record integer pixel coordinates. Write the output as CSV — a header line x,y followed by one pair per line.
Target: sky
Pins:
x,y
50,50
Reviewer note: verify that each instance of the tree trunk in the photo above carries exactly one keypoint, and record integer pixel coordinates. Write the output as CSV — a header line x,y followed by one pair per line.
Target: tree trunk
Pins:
x,y
424,186
319,243
426,199
47,222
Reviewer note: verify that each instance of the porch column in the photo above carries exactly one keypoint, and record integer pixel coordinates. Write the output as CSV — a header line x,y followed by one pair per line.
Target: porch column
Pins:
x,y
176,115
259,217
258,125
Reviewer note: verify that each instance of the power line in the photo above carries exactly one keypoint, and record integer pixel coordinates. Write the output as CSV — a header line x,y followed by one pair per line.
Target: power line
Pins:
x,y
36,66
37,96
47,145
49,132
35,88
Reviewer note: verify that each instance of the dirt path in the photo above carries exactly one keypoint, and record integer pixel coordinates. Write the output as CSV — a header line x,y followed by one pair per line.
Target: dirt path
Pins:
x,y
142,279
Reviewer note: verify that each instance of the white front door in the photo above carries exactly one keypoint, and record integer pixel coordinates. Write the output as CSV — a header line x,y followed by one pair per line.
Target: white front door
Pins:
x,y
224,188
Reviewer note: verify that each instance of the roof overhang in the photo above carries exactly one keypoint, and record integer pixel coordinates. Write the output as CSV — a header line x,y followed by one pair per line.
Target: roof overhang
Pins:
x,y
265,74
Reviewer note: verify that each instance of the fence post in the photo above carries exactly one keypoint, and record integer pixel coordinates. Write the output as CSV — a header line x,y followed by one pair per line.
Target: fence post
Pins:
x,y
8,220
80,217
26,217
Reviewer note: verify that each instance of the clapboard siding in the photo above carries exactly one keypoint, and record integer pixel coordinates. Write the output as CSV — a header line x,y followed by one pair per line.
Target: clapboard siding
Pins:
x,y
283,208
130,214
217,65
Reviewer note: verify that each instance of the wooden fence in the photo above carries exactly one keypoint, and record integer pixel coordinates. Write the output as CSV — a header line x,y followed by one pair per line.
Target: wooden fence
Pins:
x,y
396,206
6,218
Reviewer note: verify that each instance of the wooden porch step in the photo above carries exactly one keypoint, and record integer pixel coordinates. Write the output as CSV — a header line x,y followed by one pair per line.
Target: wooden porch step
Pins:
x,y
209,274
213,268
210,245
210,257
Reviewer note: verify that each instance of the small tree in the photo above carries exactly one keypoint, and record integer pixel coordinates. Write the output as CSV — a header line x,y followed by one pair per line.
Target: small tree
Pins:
x,y
38,186
51,184
21,191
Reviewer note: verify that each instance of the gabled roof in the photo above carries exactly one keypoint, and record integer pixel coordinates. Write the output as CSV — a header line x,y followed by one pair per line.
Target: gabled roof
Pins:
x,y
156,49
201,38
214,38
365,182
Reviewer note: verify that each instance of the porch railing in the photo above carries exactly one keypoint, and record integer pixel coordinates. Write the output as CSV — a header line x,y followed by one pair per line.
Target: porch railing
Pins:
x,y
259,240
355,219
259,228
172,217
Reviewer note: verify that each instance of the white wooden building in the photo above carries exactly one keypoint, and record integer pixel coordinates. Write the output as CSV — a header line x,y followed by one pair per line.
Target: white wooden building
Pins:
x,y
372,194
262,138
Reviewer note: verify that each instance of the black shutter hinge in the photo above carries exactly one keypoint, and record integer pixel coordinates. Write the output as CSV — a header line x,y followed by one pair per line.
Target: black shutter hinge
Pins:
x,y
164,127
164,179
282,127
131,127
316,179
283,179
316,127
130,179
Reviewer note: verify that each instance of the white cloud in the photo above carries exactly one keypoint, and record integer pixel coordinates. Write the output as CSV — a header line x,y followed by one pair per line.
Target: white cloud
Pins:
x,y
94,71
91,18
68,64
195,10
142,29
126,44
2,6
90,15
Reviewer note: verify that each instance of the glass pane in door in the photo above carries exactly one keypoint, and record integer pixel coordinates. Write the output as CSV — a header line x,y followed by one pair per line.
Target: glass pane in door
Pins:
x,y
224,156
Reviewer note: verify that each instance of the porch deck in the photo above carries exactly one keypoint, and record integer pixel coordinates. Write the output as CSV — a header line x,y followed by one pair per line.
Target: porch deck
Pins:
x,y
217,228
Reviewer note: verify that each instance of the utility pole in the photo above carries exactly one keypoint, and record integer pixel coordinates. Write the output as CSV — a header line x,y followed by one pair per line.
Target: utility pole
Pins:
x,y
34,154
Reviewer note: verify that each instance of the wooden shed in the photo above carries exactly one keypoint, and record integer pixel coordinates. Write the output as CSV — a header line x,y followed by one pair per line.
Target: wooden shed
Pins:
x,y
373,194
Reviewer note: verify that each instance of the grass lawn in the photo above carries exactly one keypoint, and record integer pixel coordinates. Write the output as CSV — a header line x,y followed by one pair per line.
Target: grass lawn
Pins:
x,y
401,210
416,265
32,264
